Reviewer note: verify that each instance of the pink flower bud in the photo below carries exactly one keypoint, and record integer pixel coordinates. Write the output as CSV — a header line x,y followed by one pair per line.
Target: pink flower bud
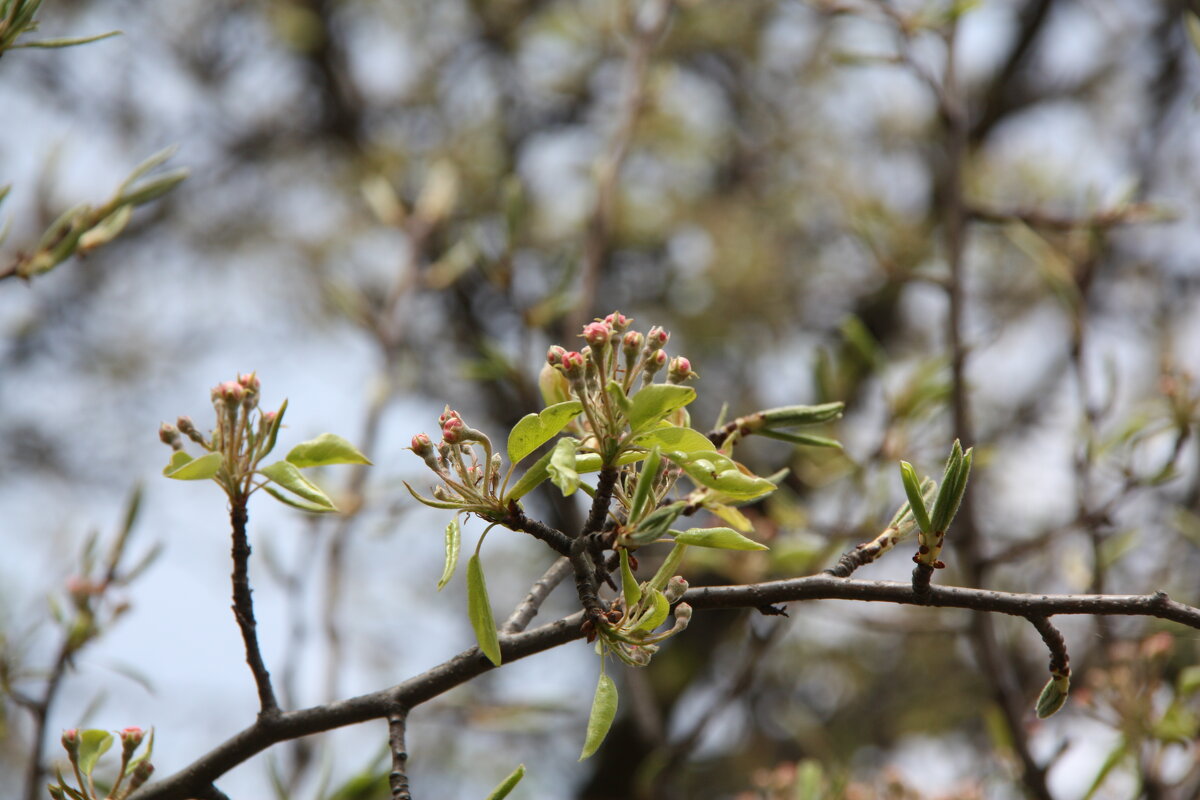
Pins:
x,y
448,414
597,334
169,434
250,382
657,338
131,738
230,392
70,741
422,445
269,418
555,354
680,370
185,425
573,364
452,430
618,321
631,345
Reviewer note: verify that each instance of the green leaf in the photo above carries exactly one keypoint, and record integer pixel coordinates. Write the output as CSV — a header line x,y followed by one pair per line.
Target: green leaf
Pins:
x,y
562,466
954,486
275,425
1053,696
325,449
534,430
629,584
619,398
508,784
718,471
655,524
92,744
722,538
533,476
185,468
655,401
916,504
453,543
480,610
43,43
804,439
656,614
287,476
796,416
645,483
673,438
1188,681
604,710
296,502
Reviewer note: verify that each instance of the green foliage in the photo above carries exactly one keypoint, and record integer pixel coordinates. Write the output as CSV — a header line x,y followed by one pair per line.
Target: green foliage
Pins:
x,y
505,787
479,609
604,710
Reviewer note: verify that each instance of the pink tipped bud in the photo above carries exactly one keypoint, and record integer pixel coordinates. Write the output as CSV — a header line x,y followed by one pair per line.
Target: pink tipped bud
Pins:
x,y
229,392
657,338
618,321
185,425
597,334
130,739
250,382
573,364
141,774
555,355
675,588
269,418
422,445
656,361
631,345
70,741
448,414
169,434
680,370
453,430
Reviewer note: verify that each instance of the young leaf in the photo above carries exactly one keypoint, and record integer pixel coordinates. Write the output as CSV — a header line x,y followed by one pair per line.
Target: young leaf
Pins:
x,y
736,519
674,438
286,475
655,401
657,612
296,502
604,710
562,466
453,542
426,501
534,430
325,449
480,610
722,538
805,439
954,486
508,784
912,488
92,744
1053,696
618,396
629,584
533,476
645,482
794,416
185,468
656,523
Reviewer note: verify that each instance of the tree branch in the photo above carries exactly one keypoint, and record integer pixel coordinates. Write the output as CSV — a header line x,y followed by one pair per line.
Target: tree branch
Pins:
x,y
398,778
243,610
469,664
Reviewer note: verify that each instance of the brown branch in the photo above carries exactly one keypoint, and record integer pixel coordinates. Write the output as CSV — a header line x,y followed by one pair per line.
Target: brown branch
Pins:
x,y
243,610
398,777
267,731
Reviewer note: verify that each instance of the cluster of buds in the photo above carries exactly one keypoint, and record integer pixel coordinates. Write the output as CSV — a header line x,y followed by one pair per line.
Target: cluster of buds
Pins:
x,y
84,749
470,479
613,354
630,632
243,433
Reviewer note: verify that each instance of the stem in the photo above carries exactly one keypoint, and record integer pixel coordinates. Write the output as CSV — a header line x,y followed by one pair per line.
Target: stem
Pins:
x,y
41,715
398,777
243,609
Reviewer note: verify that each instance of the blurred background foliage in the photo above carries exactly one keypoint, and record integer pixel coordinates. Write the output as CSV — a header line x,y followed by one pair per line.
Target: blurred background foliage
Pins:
x,y
971,219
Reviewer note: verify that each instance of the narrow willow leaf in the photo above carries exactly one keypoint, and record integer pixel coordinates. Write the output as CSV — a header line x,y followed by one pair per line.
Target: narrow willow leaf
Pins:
x,y
958,469
508,784
453,543
480,610
562,466
804,439
92,744
674,438
534,430
323,450
296,502
629,584
656,614
655,401
645,482
185,468
287,476
604,710
795,416
722,538
916,504
275,425
1053,696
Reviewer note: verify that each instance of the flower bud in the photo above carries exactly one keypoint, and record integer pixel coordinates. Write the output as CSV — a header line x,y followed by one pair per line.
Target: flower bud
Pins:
x,y
70,742
250,382
573,364
680,370
169,434
657,338
554,355
452,430
421,445
656,361
675,589
632,344
448,414
131,738
618,321
230,393
141,774
683,615
597,334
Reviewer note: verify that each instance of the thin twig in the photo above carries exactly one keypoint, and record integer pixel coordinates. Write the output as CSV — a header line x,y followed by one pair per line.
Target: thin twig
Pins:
x,y
243,609
541,589
398,777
